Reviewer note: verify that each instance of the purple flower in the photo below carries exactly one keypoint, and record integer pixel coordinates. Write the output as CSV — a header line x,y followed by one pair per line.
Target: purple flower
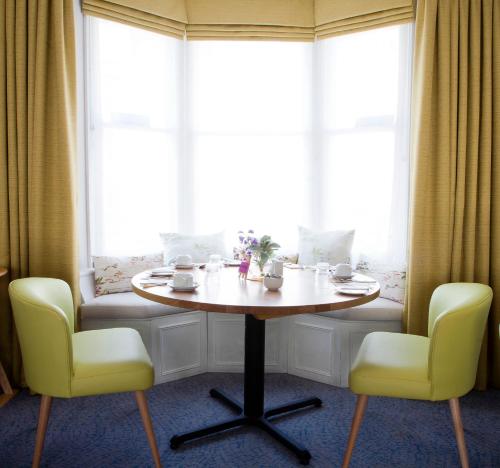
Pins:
x,y
250,231
254,241
241,238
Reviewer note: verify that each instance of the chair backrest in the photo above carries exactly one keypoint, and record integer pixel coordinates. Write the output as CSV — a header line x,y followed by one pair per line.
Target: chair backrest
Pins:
x,y
458,314
44,318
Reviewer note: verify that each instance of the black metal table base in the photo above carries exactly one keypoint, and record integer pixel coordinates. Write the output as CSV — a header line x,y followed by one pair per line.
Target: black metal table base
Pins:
x,y
262,422
252,413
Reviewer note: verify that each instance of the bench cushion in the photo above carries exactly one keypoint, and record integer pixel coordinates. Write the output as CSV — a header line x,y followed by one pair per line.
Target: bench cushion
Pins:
x,y
378,310
126,305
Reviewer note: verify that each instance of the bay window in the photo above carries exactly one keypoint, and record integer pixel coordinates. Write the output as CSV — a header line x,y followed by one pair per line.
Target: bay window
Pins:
x,y
200,136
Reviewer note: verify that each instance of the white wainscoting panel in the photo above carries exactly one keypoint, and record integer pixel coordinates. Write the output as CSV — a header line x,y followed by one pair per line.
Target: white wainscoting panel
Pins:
x,y
226,343
312,350
179,346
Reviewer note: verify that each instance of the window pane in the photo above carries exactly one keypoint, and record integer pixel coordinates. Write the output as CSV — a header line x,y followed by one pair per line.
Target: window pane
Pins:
x,y
360,75
359,189
250,86
365,108
137,176
250,182
138,75
134,137
250,113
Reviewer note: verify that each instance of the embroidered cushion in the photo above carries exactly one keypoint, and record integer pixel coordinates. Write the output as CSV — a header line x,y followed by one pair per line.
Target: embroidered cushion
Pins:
x,y
329,246
113,274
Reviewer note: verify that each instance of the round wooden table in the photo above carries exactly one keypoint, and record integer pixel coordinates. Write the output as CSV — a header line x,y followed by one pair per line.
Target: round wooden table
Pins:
x,y
303,292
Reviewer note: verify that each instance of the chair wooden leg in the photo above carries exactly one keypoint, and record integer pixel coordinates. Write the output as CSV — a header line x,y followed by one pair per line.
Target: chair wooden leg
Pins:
x,y
356,423
459,432
43,419
148,426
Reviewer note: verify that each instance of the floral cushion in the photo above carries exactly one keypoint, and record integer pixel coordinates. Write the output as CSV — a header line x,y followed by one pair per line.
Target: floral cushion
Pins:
x,y
200,247
329,246
113,274
287,257
392,281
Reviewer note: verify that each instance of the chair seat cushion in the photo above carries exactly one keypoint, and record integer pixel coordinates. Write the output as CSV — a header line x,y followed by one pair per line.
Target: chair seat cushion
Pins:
x,y
125,306
392,364
108,361
378,310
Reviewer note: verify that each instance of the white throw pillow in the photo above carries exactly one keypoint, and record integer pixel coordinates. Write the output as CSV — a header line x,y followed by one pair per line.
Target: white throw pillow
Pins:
x,y
328,246
113,274
200,247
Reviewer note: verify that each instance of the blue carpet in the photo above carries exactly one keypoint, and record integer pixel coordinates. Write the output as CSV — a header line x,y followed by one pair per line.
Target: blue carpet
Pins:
x,y
106,431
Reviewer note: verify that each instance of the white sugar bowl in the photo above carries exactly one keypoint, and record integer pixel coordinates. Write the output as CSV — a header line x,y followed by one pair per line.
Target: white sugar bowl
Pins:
x,y
273,282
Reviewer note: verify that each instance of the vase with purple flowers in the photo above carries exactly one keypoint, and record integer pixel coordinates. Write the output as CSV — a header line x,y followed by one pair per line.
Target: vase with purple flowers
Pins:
x,y
257,252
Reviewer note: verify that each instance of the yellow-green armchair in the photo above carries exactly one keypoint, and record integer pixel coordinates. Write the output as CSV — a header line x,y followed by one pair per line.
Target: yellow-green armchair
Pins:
x,y
60,363
441,366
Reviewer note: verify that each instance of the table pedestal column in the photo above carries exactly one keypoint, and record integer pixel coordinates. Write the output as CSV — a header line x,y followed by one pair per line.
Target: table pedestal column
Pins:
x,y
252,411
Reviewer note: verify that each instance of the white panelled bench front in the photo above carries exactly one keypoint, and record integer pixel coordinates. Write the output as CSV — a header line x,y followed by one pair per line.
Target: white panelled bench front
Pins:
x,y
184,342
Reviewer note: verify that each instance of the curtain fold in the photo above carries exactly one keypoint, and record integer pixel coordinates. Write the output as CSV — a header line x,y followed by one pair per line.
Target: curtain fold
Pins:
x,y
37,150
256,19
455,200
335,17
164,17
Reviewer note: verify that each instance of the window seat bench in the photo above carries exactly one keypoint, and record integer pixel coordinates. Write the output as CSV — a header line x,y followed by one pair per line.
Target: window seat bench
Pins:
x,y
183,342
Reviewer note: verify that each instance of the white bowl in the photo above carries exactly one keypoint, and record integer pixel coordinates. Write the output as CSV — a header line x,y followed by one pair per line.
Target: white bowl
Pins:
x,y
273,283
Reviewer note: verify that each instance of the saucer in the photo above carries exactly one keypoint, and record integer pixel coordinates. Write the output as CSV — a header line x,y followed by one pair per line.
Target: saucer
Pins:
x,y
186,289
184,267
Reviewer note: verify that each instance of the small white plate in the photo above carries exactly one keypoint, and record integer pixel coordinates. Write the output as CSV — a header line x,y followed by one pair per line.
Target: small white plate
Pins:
x,y
192,288
232,262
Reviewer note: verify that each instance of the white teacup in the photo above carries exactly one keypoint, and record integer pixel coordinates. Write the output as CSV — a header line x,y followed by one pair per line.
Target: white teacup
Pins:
x,y
183,280
184,260
343,270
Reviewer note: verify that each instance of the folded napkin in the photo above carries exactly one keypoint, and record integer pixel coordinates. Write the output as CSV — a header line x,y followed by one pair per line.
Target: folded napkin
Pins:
x,y
355,287
152,282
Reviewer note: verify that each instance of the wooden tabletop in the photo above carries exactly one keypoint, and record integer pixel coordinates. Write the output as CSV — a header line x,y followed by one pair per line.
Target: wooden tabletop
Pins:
x,y
303,292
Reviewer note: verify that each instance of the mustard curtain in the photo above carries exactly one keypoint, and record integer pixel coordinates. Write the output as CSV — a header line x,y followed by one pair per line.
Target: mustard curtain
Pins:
x,y
455,202
37,150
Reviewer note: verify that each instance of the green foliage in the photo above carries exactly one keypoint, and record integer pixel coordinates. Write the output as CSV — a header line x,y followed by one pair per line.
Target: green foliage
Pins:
x,y
264,250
